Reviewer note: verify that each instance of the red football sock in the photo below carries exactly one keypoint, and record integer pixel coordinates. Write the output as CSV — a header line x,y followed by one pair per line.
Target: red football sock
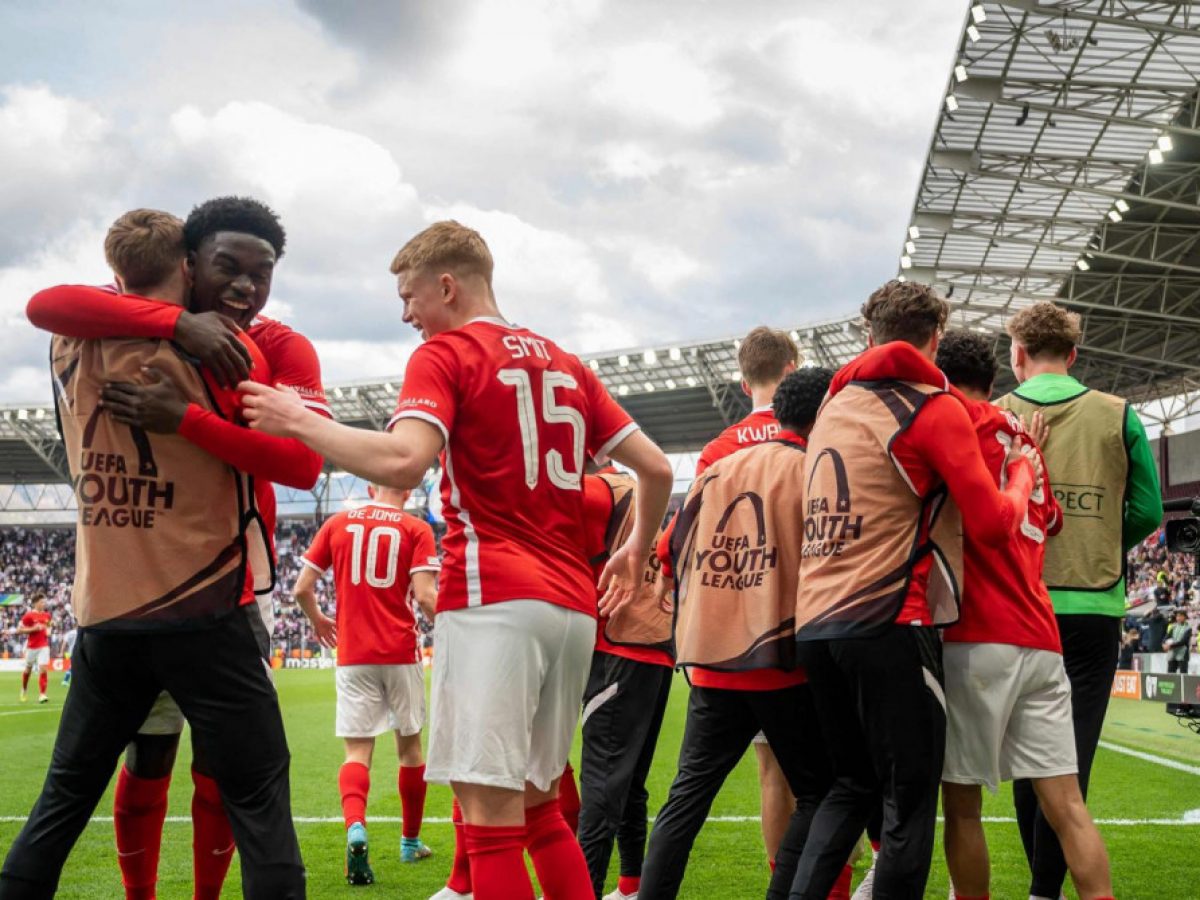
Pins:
x,y
412,799
568,798
212,838
460,869
42,682
557,857
354,781
629,884
771,863
875,845
25,680
841,887
497,863
139,809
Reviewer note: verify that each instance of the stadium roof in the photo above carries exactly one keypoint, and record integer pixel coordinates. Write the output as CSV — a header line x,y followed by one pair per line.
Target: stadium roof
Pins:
x,y
1065,165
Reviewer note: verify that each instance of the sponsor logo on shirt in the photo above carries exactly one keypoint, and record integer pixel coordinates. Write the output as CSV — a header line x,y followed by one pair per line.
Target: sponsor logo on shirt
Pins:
x,y
739,560
827,531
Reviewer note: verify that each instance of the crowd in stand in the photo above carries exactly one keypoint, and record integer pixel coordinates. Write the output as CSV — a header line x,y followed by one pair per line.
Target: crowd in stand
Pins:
x,y
42,559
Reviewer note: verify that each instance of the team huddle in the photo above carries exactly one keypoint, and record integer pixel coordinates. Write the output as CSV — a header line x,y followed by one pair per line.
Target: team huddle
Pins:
x,y
871,582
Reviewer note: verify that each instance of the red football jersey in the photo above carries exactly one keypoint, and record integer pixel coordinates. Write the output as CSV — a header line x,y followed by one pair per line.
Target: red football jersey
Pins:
x,y
756,428
517,414
1004,600
37,639
374,550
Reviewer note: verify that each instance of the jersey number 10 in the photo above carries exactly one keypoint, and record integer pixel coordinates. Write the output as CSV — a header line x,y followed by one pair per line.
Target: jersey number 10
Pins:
x,y
371,563
552,413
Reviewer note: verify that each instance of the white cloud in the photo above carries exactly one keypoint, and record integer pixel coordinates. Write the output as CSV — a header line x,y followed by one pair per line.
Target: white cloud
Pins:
x,y
658,81
643,172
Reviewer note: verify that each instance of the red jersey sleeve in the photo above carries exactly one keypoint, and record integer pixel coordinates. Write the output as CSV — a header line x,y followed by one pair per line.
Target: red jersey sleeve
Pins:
x,y
424,555
289,361
319,554
295,366
429,392
82,311
943,435
608,424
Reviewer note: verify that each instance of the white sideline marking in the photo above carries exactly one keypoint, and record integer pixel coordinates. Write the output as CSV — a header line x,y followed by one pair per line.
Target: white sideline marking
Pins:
x,y
23,712
1151,758
1188,820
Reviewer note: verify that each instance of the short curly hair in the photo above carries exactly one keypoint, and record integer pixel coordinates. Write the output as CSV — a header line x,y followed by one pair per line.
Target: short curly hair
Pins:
x,y
1046,329
967,359
244,215
905,311
800,395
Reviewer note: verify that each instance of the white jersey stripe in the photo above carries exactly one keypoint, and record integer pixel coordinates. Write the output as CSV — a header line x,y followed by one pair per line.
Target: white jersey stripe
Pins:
x,y
474,585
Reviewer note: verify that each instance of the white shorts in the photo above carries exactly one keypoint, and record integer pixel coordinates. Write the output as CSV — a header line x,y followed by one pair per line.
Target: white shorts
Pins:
x,y
761,738
165,717
375,699
1008,715
508,682
39,657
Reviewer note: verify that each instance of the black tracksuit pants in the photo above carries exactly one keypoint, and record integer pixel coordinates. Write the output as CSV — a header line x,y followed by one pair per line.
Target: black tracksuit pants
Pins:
x,y
623,709
1090,648
882,713
721,724
218,677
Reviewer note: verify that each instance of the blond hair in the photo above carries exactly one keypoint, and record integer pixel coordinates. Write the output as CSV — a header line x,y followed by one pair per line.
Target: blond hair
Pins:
x,y
143,246
1046,329
764,354
905,311
446,247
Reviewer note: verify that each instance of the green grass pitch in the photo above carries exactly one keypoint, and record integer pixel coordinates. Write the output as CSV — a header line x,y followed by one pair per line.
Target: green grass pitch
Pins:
x,y
1153,849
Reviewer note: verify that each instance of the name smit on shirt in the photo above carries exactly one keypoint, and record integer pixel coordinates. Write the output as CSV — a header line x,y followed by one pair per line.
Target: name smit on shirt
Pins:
x,y
109,497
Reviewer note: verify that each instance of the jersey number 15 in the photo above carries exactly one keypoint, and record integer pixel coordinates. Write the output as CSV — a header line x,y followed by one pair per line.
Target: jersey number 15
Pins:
x,y
552,413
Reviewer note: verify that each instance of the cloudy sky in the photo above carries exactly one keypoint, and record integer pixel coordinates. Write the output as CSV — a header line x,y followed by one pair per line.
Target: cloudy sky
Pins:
x,y
645,172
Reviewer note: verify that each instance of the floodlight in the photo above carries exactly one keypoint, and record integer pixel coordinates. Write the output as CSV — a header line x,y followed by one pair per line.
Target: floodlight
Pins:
x,y
649,388
914,232
960,73
670,384
649,357
910,247
951,102
973,33
1114,216
1155,156
622,360
622,390
1165,143
906,262
1082,264
675,354
1122,206
978,14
